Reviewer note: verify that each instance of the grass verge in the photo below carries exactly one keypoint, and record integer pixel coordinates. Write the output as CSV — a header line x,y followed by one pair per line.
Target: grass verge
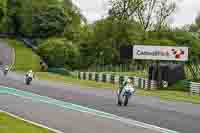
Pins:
x,y
9,124
170,95
25,58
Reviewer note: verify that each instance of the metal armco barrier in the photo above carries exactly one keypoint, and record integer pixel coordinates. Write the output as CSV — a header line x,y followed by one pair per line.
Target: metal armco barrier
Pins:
x,y
116,79
138,82
194,88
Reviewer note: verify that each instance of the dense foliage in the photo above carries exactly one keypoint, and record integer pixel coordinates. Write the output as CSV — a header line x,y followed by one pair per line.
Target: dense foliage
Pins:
x,y
59,52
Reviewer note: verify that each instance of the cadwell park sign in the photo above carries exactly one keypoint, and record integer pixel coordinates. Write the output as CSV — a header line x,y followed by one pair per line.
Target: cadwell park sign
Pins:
x,y
170,53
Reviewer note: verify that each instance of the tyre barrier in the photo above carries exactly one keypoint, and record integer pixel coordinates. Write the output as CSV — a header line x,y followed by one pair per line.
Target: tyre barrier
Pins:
x,y
100,77
96,77
104,78
79,75
194,88
147,84
136,81
153,84
141,83
108,78
87,76
93,76
116,79
90,76
84,76
112,79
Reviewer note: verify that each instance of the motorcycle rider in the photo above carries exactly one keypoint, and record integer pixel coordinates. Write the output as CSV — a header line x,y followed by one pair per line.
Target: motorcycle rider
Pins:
x,y
126,82
30,74
6,69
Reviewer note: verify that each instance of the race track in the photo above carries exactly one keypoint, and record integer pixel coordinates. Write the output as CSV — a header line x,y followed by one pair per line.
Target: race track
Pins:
x,y
181,117
178,116
64,120
5,54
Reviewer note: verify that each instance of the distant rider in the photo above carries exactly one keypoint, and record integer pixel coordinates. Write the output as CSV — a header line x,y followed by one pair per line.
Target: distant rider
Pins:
x,y
30,74
6,69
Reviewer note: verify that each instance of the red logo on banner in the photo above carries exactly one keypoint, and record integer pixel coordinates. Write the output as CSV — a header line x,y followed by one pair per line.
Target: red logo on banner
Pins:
x,y
178,53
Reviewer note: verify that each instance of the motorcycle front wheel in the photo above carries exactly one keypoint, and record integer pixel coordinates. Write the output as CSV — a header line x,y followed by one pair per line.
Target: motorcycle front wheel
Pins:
x,y
125,100
118,99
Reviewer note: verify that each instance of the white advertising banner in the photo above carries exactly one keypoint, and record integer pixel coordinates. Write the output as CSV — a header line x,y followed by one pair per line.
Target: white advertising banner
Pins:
x,y
170,53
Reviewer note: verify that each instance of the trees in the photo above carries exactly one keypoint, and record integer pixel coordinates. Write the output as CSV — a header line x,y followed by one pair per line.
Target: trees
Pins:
x,y
41,18
196,26
197,21
124,9
105,37
58,52
151,14
48,22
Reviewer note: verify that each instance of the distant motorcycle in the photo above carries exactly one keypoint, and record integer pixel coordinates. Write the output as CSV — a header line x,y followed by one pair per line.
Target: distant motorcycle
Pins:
x,y
28,79
127,92
5,72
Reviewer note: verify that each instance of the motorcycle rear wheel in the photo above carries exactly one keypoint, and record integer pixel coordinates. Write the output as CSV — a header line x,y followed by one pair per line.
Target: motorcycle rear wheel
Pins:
x,y
118,99
125,100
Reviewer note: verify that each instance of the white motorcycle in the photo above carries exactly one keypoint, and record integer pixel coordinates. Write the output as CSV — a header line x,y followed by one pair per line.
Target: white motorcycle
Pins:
x,y
127,92
5,72
28,79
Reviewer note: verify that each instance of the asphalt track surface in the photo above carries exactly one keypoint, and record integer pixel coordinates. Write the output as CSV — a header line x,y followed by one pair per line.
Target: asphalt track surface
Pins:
x,y
181,117
5,54
67,121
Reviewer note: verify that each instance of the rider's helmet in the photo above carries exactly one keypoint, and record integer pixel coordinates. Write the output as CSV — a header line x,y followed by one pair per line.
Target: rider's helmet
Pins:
x,y
30,71
6,67
129,80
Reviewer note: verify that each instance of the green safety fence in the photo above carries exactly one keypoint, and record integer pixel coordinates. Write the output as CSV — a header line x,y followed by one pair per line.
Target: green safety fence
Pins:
x,y
61,71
